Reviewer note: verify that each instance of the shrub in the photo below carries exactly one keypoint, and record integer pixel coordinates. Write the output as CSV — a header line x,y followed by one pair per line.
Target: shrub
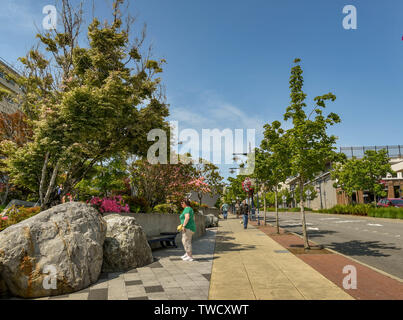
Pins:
x,y
165,208
358,209
137,204
391,213
16,215
204,206
115,204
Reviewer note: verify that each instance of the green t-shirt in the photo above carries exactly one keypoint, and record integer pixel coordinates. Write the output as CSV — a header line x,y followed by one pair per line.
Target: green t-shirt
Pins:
x,y
191,225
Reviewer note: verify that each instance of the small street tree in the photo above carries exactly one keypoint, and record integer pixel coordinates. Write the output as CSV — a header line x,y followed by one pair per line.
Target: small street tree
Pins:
x,y
272,161
207,179
309,144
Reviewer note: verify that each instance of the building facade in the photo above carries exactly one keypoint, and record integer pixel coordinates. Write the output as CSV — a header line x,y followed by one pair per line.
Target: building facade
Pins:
x,y
328,196
7,105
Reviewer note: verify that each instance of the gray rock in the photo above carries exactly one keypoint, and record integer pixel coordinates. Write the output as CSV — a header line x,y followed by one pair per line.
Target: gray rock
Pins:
x,y
211,221
66,239
125,244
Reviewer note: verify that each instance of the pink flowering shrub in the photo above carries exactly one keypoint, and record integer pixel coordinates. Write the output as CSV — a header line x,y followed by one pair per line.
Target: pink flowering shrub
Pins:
x,y
115,204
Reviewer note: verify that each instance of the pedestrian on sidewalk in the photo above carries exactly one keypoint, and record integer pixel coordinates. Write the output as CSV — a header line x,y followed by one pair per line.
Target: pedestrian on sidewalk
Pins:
x,y
224,209
237,209
245,213
188,228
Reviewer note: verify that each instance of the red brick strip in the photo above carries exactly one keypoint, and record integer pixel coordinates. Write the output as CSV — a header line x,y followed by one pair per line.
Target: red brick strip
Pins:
x,y
371,285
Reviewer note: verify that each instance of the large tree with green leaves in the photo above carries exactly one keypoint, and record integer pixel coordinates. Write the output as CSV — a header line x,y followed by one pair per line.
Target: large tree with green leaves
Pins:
x,y
309,144
86,104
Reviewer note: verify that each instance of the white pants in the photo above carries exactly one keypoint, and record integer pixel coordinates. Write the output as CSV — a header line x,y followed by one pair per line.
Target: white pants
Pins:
x,y
187,239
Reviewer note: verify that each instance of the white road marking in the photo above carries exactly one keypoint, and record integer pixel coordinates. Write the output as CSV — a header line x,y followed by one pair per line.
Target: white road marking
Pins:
x,y
374,225
398,236
310,228
346,221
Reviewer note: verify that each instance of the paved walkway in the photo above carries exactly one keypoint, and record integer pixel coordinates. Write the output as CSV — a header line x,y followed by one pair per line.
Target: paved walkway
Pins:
x,y
249,265
169,278
231,264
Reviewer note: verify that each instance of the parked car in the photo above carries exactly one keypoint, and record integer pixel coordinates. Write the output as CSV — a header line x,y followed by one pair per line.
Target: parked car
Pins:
x,y
390,202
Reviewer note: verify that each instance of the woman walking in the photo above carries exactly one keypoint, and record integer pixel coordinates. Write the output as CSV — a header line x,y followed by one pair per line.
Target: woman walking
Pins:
x,y
188,229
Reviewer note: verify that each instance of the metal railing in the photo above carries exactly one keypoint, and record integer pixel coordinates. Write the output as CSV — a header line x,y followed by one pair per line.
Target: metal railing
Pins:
x,y
359,152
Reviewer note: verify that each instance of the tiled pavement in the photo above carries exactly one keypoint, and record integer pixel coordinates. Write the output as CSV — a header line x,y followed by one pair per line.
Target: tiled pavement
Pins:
x,y
168,278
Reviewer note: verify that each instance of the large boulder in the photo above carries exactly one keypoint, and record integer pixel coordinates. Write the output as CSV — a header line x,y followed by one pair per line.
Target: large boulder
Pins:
x,y
58,251
125,245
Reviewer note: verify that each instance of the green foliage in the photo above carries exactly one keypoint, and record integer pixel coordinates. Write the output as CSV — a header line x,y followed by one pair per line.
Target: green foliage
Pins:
x,y
160,183
366,210
86,104
137,204
312,196
309,144
390,212
165,208
17,214
272,161
363,174
234,190
358,209
105,178
210,174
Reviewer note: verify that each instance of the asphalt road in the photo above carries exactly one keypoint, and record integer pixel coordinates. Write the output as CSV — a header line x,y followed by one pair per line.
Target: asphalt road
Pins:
x,y
373,241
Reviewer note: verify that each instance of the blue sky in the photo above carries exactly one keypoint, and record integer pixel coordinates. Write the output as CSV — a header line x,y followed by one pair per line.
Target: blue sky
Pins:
x,y
229,61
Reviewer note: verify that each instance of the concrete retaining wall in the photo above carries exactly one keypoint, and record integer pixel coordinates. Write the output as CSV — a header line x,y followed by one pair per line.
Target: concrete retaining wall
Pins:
x,y
154,223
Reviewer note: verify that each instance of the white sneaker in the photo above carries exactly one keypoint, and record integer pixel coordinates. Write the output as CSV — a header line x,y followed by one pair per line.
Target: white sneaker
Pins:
x,y
188,259
184,256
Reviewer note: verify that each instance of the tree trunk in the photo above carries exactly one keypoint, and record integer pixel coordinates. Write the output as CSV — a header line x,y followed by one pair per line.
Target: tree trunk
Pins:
x,y
200,198
301,203
50,187
43,177
264,204
276,205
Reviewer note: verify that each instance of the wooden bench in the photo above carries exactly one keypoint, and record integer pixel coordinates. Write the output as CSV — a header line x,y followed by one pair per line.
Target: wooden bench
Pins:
x,y
166,239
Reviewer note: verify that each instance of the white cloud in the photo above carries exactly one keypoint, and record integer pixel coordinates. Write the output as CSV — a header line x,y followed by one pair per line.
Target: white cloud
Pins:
x,y
208,111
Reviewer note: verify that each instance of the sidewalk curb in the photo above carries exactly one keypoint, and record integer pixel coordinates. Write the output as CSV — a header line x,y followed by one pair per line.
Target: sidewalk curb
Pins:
x,y
347,257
